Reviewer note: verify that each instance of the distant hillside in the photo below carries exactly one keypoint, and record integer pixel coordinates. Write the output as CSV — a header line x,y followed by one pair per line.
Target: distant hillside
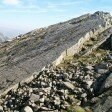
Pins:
x,y
11,32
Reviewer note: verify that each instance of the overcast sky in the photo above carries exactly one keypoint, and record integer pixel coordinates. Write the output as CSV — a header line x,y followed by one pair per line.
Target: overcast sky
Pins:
x,y
20,16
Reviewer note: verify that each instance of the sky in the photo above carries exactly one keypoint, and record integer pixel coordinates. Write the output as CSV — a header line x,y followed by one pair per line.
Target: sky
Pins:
x,y
20,16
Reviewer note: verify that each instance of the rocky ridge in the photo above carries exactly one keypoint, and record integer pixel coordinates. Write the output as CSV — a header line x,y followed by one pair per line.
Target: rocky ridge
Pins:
x,y
22,56
79,83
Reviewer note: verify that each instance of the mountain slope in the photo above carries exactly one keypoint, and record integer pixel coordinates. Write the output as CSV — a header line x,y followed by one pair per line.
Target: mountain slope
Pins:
x,y
32,51
77,76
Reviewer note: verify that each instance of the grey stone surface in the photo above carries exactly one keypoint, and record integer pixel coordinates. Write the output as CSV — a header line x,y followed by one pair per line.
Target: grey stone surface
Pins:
x,y
27,109
107,84
1,109
105,105
32,51
52,92
76,81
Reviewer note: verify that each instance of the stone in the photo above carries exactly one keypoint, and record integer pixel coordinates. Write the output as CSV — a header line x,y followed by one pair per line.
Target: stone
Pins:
x,y
101,71
104,105
46,109
101,66
87,77
89,67
69,85
1,109
27,109
42,99
89,83
110,56
47,90
107,83
34,97
110,68
84,95
57,101
1,101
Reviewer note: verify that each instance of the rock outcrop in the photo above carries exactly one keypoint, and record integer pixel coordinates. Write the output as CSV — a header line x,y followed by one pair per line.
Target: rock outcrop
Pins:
x,y
74,85
71,68
32,51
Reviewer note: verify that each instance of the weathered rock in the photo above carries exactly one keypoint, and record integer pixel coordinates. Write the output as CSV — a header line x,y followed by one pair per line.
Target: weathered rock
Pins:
x,y
84,95
107,83
1,109
101,71
34,97
104,105
57,100
89,67
45,109
89,83
69,85
56,88
27,109
101,68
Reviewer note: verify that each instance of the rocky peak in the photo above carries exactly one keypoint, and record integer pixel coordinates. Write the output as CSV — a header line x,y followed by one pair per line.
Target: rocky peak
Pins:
x,y
103,15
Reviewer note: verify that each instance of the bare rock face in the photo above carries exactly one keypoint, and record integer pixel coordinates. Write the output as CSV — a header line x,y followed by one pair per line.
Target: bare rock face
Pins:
x,y
104,104
81,82
74,85
32,51
108,83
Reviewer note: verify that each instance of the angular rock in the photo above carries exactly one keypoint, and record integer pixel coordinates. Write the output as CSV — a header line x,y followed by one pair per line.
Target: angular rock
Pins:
x,y
1,109
83,95
69,85
27,109
34,97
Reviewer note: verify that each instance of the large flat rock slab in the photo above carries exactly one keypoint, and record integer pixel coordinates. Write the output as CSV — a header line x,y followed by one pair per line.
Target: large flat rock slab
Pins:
x,y
30,52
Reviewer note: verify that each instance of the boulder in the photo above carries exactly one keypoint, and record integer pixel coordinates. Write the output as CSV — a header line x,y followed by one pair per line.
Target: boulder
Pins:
x,y
27,109
101,71
57,101
1,109
101,68
89,67
69,85
34,97
84,95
